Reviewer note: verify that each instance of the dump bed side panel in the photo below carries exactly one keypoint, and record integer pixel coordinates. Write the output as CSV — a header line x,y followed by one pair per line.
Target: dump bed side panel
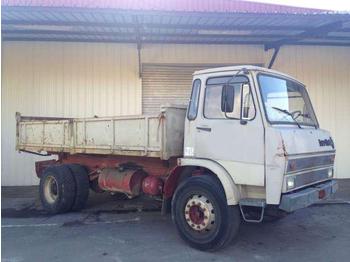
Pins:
x,y
43,135
116,136
152,136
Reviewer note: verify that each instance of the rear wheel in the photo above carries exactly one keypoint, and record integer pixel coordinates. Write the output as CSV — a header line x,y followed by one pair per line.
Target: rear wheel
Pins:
x,y
82,186
57,189
201,214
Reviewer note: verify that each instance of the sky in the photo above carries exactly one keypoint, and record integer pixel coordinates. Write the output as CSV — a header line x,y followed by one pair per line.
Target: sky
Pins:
x,y
337,5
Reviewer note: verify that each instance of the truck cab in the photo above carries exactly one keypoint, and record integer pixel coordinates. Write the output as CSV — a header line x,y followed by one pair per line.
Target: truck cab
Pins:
x,y
259,128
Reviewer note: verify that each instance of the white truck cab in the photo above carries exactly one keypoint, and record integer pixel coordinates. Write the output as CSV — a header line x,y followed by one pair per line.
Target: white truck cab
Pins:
x,y
257,128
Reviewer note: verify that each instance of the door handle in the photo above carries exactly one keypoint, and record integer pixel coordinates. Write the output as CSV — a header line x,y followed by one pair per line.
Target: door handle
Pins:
x,y
207,129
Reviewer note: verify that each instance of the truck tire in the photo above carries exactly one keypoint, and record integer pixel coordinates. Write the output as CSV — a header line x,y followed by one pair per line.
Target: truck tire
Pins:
x,y
201,214
57,189
81,186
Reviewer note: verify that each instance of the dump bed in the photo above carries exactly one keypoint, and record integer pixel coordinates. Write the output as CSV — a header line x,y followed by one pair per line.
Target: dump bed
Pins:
x,y
152,136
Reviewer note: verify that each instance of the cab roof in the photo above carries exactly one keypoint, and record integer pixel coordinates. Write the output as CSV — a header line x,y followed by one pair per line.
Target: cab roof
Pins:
x,y
241,67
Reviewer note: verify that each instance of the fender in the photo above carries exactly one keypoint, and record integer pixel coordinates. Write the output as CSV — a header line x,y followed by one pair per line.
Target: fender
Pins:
x,y
231,190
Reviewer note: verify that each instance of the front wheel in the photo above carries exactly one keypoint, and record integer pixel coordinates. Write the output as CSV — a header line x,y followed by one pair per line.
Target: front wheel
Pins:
x,y
201,214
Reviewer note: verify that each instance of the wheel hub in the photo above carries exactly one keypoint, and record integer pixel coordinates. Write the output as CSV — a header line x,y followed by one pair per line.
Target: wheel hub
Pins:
x,y
199,213
51,189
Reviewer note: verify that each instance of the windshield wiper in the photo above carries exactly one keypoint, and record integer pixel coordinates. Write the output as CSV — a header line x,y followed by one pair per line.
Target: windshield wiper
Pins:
x,y
309,117
313,123
287,113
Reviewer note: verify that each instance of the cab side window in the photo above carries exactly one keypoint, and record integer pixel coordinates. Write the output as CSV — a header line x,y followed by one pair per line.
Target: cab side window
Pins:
x,y
231,100
194,101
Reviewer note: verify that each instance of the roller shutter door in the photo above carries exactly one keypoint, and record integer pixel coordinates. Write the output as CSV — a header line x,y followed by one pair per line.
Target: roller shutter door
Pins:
x,y
166,84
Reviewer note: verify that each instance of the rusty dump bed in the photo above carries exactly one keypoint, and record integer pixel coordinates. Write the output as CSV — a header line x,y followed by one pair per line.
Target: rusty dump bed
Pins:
x,y
146,135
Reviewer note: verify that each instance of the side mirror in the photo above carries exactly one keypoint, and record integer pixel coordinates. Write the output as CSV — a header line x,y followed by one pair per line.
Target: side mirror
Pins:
x,y
227,98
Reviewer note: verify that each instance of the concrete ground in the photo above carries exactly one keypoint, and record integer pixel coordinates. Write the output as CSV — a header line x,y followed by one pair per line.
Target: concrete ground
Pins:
x,y
112,230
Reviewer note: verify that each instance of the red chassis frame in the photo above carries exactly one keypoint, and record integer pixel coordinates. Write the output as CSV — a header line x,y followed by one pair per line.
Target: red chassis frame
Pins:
x,y
167,170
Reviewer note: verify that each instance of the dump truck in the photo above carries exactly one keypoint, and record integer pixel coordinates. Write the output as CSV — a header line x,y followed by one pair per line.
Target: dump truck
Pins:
x,y
247,147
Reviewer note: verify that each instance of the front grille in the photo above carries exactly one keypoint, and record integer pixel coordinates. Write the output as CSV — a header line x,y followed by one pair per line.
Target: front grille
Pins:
x,y
310,177
298,164
305,171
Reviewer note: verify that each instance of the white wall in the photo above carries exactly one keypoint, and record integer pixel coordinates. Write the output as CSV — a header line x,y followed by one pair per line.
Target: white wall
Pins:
x,y
85,79
206,54
62,79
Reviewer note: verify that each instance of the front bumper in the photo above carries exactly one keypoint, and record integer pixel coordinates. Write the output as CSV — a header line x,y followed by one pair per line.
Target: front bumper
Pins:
x,y
308,196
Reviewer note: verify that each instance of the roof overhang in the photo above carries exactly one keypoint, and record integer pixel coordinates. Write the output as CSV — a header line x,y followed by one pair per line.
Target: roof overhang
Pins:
x,y
76,24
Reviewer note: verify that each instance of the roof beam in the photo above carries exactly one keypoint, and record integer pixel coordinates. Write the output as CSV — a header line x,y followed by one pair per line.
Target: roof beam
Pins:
x,y
138,31
170,41
116,40
319,31
273,58
146,26
140,35
153,25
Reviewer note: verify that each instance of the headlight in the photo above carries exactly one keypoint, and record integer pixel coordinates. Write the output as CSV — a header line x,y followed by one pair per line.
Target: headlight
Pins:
x,y
290,182
330,172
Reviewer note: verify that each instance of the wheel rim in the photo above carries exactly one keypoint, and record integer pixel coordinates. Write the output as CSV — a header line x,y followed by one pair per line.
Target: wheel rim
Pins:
x,y
199,213
51,189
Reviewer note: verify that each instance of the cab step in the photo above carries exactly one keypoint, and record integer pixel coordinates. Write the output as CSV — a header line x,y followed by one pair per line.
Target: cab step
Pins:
x,y
246,203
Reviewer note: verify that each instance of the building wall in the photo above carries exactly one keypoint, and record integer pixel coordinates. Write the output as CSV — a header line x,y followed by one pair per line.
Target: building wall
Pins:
x,y
62,79
86,79
206,54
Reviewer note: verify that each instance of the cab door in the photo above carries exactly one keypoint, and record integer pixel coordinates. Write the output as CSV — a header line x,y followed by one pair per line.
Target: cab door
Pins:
x,y
229,129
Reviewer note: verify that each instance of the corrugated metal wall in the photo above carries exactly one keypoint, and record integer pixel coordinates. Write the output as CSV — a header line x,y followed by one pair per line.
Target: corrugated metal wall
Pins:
x,y
167,84
163,84
62,79
162,61
206,54
85,79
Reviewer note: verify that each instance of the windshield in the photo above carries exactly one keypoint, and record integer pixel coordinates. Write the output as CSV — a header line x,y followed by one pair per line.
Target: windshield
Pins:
x,y
286,101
